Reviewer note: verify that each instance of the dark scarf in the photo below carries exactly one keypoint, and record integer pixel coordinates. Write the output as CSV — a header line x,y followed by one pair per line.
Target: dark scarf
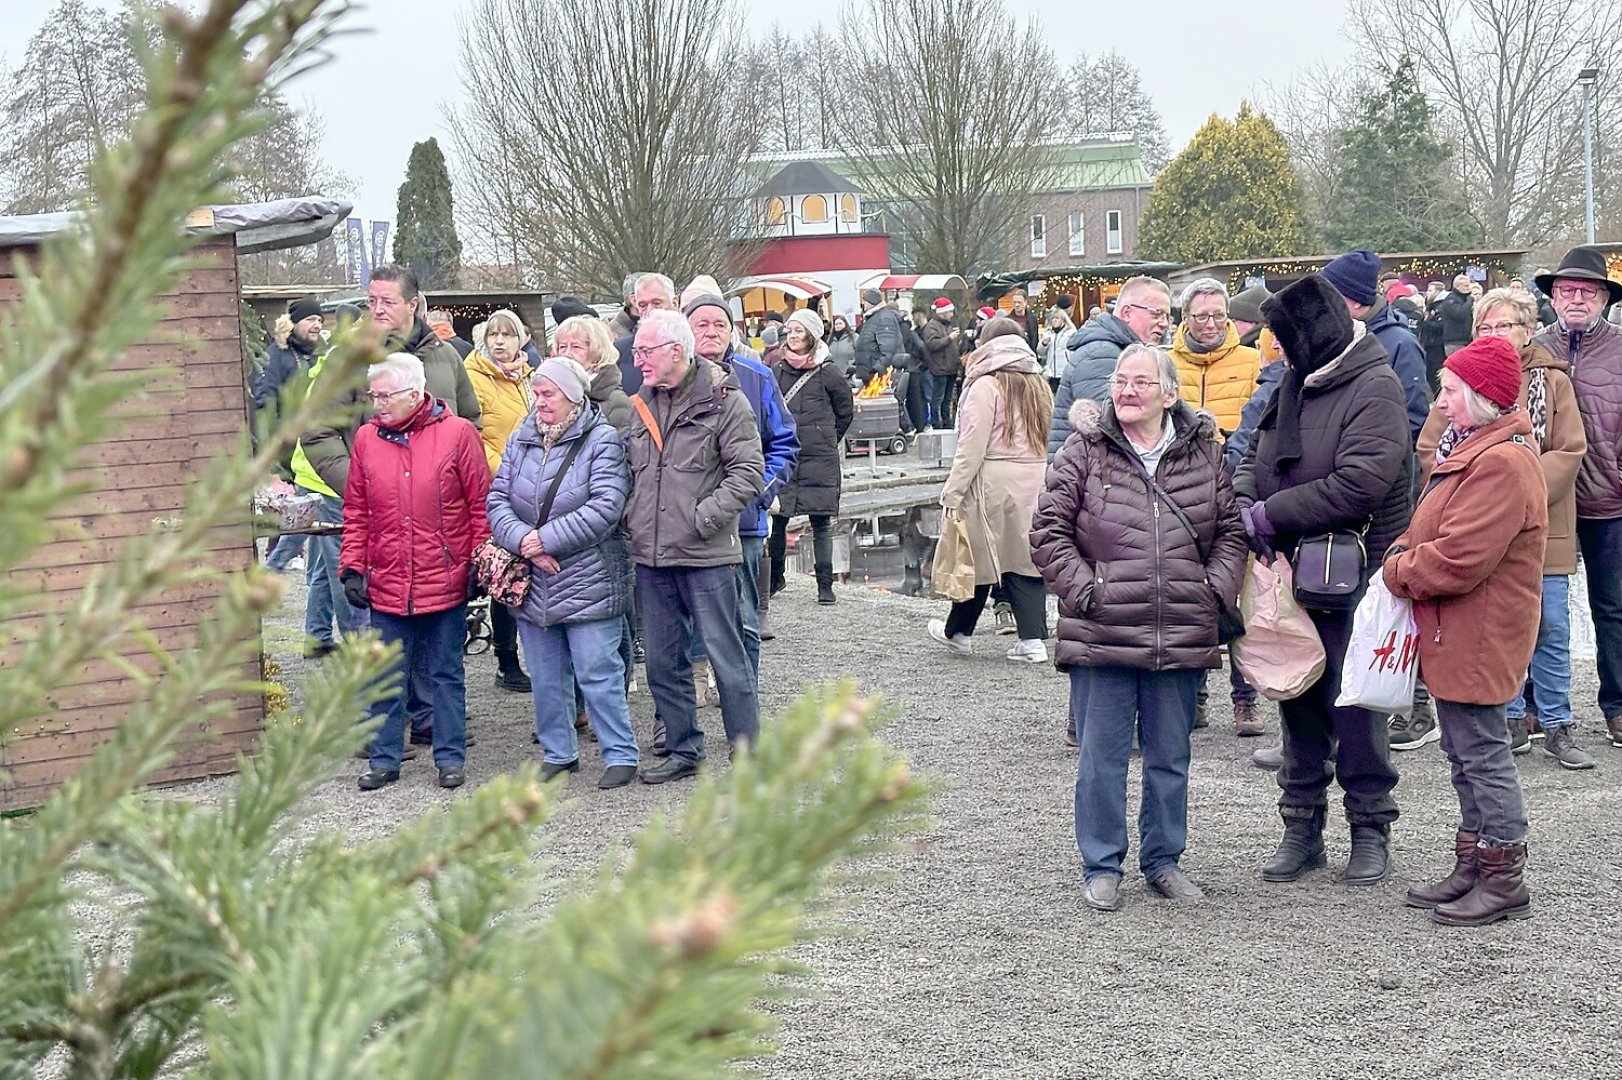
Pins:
x,y
1289,418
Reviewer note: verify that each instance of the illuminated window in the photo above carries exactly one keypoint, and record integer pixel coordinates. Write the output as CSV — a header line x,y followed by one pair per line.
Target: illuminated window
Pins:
x,y
847,209
814,210
775,211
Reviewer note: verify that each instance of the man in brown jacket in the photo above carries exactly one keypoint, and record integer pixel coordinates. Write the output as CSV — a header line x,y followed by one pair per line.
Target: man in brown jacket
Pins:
x,y
684,532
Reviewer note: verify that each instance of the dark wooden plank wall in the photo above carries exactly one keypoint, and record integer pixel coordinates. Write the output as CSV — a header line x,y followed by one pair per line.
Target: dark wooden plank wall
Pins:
x,y
190,414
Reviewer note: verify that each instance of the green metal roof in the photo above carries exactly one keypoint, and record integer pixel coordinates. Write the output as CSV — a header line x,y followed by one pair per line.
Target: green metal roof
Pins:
x,y
1083,165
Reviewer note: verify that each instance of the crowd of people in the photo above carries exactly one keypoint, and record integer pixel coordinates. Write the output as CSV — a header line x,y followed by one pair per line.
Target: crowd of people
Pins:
x,y
643,474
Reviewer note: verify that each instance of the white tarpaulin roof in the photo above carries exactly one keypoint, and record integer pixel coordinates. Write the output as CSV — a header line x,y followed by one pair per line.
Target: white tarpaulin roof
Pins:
x,y
257,226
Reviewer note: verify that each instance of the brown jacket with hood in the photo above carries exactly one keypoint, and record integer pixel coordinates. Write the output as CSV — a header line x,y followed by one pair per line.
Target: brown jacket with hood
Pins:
x,y
1560,452
1472,563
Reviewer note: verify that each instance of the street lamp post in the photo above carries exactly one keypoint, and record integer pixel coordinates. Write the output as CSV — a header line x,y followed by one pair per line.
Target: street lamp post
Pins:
x,y
1586,78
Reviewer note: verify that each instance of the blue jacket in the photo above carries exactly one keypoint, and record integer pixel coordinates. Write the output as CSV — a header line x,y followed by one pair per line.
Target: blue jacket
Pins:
x,y
582,531
1093,348
1393,331
630,377
779,441
1233,451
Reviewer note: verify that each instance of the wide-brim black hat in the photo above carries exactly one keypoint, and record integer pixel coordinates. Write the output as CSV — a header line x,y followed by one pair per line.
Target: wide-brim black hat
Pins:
x,y
1585,264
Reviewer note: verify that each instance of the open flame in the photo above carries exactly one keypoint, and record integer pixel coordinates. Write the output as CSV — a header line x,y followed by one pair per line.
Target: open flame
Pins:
x,y
877,386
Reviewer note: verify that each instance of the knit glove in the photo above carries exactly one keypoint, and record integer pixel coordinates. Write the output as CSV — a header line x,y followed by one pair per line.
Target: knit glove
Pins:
x,y
1258,530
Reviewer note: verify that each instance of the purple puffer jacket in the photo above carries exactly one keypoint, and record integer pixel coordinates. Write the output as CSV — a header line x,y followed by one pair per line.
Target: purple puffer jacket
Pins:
x,y
1596,375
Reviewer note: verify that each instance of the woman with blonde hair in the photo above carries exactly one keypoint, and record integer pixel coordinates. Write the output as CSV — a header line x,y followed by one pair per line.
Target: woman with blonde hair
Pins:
x,y
585,340
1003,419
499,371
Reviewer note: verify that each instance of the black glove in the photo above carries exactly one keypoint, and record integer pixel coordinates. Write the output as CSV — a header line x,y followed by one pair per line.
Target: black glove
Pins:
x,y
474,589
354,583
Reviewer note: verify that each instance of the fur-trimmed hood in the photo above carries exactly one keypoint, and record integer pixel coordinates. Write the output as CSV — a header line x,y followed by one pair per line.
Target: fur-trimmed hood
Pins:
x,y
1090,420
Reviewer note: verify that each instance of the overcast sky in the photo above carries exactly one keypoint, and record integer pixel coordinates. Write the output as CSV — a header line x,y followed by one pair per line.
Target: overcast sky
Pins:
x,y
1196,57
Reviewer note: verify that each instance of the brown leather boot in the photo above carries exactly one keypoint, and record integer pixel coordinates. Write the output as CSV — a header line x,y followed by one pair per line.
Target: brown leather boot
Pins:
x,y
1456,884
1499,892
1246,723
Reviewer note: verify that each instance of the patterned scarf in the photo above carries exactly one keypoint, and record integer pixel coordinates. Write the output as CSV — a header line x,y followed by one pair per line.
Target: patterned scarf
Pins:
x,y
1450,440
1537,404
551,433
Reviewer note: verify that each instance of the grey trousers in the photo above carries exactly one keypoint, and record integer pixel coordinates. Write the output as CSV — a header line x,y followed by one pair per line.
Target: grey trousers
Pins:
x,y
1476,741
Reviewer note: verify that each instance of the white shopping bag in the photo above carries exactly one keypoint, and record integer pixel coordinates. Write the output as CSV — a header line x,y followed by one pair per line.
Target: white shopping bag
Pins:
x,y
1382,661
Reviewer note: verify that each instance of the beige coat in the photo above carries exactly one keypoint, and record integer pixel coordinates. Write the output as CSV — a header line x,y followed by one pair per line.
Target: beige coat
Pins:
x,y
996,479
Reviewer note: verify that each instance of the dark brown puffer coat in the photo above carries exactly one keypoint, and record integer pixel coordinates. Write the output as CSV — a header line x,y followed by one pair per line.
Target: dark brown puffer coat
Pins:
x,y
1133,591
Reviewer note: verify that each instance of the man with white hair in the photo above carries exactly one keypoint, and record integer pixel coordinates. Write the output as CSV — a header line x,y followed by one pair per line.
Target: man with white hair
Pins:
x,y
1142,313
652,292
696,463
413,515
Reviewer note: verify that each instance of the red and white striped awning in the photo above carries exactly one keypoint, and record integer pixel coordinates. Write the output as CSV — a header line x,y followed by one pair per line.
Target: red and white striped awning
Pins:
x,y
799,287
918,282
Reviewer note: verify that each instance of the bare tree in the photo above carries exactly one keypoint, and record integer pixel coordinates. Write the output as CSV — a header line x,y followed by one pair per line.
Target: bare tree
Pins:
x,y
938,124
76,91
1105,94
1500,74
284,161
603,136
1310,111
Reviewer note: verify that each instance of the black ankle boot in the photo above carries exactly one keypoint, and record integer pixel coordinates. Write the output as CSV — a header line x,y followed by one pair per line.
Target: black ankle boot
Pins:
x,y
1371,855
1301,849
779,576
509,676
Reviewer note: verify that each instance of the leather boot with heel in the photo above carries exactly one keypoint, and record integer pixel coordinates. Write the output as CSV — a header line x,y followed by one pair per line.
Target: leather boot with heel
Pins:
x,y
1499,891
1300,850
1457,883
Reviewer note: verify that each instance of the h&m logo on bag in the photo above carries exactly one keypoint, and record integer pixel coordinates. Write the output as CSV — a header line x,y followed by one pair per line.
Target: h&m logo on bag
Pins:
x,y
1388,658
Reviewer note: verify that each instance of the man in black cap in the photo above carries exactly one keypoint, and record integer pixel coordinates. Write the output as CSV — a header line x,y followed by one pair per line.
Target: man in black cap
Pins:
x,y
1581,290
293,346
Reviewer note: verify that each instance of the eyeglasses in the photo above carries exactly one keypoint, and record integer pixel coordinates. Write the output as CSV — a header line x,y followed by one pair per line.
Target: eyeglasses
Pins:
x,y
1216,318
641,353
1497,329
1159,315
1572,292
379,398
1137,386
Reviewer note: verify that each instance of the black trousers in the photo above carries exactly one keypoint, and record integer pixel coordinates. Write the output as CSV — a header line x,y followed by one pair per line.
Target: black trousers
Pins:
x,y
1028,596
1324,742
821,536
503,627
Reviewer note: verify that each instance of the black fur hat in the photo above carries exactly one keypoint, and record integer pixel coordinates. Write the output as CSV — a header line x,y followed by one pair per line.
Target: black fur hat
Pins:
x,y
1311,322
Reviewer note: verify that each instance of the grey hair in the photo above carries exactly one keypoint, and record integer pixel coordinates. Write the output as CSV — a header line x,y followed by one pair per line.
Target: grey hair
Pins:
x,y
1480,411
1170,381
1205,286
673,326
628,286
1133,285
663,282
402,369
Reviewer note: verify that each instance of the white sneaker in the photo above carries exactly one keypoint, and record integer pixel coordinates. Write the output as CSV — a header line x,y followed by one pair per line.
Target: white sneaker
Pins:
x,y
1032,651
631,689
958,643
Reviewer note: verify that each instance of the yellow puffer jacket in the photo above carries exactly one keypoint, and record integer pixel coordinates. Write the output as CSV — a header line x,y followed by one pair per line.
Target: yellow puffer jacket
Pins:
x,y
1220,381
503,403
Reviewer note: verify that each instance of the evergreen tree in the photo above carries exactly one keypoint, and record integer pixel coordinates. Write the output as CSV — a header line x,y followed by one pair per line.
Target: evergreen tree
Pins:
x,y
1231,194
1395,192
228,937
425,228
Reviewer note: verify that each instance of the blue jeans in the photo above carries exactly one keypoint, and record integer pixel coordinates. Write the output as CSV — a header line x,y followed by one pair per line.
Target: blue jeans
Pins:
x,y
1601,543
929,382
748,605
325,601
431,650
586,654
284,549
1550,677
674,602
1104,701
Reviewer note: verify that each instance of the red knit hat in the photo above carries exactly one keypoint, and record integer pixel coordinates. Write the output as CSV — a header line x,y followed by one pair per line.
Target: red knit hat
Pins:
x,y
1490,366
942,304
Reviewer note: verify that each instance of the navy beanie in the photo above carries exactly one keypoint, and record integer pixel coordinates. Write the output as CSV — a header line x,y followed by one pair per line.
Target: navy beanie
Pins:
x,y
1355,275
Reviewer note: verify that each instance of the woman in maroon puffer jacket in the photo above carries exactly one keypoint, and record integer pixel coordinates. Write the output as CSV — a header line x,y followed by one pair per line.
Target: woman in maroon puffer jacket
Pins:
x,y
413,513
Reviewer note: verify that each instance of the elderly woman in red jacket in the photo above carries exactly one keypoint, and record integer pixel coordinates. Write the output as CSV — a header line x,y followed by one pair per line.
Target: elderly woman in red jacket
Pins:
x,y
413,513
1472,563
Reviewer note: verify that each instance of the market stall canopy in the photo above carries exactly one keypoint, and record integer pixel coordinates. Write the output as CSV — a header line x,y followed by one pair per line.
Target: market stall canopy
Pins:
x,y
256,226
799,286
916,282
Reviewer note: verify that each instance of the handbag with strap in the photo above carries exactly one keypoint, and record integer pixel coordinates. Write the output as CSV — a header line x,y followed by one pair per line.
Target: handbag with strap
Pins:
x,y
503,575
1329,569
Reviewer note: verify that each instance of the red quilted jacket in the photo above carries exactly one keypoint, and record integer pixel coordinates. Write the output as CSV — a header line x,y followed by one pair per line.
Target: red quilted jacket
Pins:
x,y
414,510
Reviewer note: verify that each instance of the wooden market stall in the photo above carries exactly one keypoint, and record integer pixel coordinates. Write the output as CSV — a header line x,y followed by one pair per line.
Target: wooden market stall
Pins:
x,y
195,406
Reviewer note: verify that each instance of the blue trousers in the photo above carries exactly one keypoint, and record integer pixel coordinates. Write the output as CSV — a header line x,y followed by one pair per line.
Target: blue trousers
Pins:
x,y
585,655
748,604
1550,677
430,650
1105,701
1601,543
674,602
325,601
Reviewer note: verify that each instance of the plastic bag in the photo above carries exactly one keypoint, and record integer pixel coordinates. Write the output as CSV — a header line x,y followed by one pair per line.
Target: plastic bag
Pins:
x,y
953,573
1280,653
1382,661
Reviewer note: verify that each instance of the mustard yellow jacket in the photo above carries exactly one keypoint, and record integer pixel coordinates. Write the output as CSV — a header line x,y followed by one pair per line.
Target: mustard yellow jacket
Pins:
x,y
1220,381
503,402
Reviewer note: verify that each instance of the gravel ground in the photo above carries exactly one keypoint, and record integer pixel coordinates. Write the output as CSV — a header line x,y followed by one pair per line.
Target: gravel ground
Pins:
x,y
970,953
